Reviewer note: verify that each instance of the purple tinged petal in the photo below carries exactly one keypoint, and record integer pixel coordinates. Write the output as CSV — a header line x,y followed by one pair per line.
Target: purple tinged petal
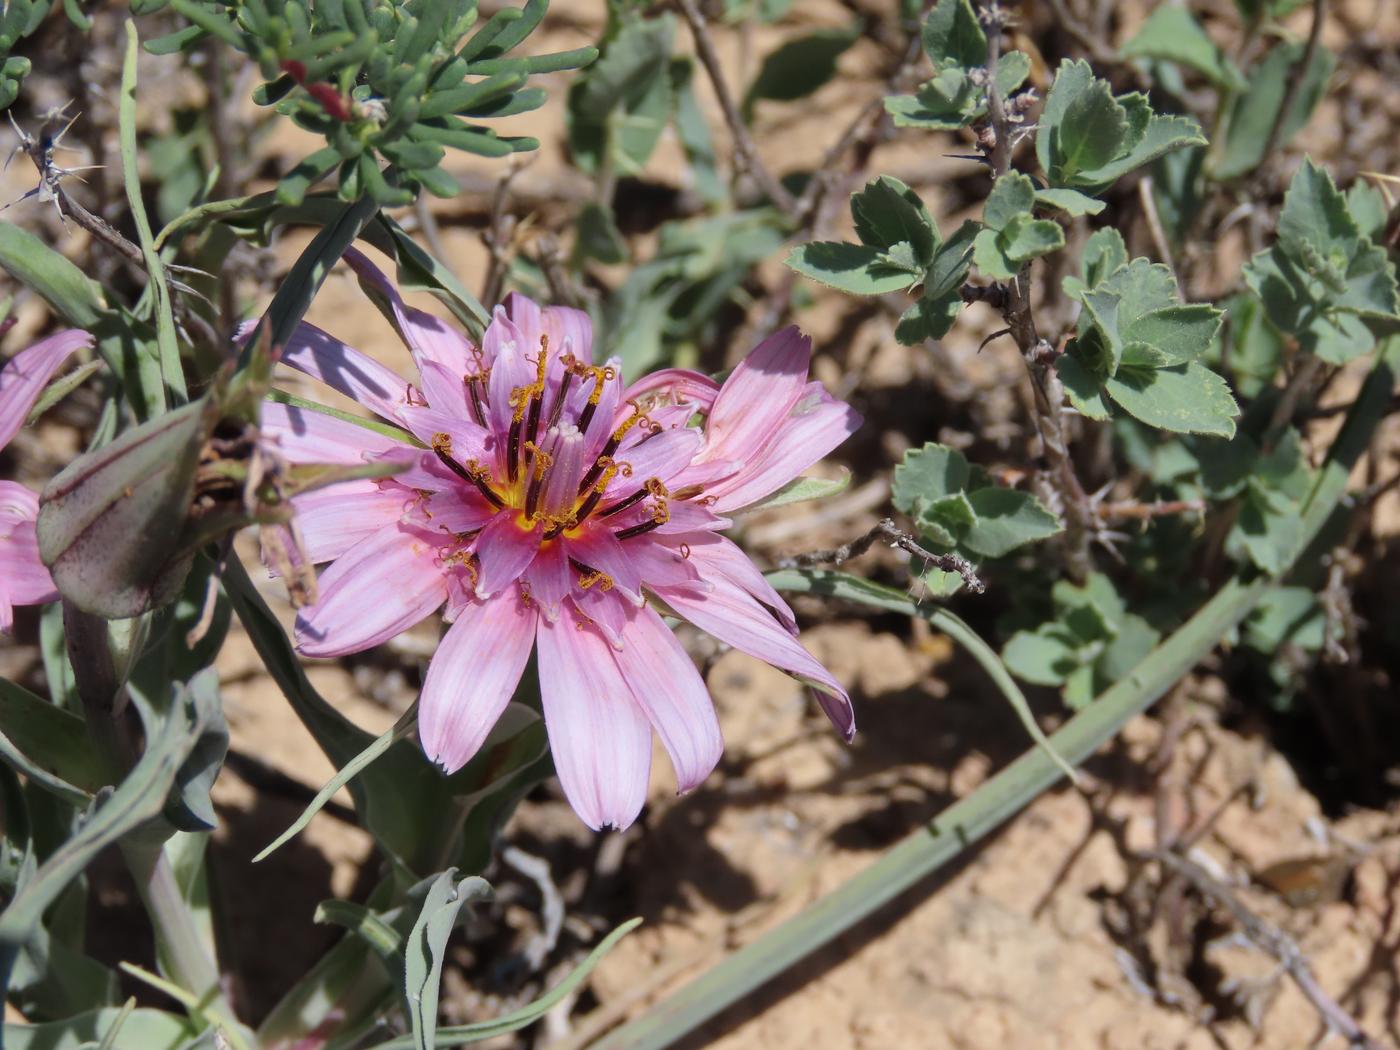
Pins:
x,y
758,395
456,511
675,384
469,440
600,738
335,518
662,457
660,563
444,389
379,588
669,689
23,578
818,424
505,551
549,578
599,549
472,677
341,367
427,337
506,348
608,611
24,376
307,436
715,555
564,473
735,618
570,331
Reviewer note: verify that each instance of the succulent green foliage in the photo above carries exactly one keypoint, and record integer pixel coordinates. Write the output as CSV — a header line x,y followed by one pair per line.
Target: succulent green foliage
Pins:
x,y
958,508
18,20
900,248
1138,346
1011,236
1256,109
1088,137
385,82
1089,644
1173,34
1324,281
957,94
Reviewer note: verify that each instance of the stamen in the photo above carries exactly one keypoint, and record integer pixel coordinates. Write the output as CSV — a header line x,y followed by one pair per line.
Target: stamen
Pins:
x,y
605,374
542,462
513,449
559,398
688,492
537,392
630,501
473,471
414,397
475,384
614,440
589,576
685,551
600,487
660,515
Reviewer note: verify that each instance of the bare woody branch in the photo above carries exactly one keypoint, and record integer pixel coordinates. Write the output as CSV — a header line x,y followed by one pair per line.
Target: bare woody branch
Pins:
x,y
897,538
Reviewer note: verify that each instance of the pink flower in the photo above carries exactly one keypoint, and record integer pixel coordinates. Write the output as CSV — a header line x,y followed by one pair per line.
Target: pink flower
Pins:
x,y
23,578
549,504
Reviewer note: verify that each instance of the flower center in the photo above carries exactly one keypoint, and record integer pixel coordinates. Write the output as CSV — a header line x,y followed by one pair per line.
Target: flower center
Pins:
x,y
545,473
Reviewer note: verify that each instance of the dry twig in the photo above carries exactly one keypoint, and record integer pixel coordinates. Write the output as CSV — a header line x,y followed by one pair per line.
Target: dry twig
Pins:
x,y
897,538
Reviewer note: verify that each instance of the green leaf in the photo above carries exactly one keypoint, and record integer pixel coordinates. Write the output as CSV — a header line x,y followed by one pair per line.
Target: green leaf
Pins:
x,y
799,67
1180,333
1268,529
1013,195
952,36
1093,131
73,295
951,261
1163,135
1025,239
47,744
990,259
887,212
801,490
146,1028
1256,109
693,130
619,107
1286,616
1173,34
1186,398
1007,519
1085,390
426,948
928,474
1135,638
854,268
598,235
1041,657
526,1015
1072,202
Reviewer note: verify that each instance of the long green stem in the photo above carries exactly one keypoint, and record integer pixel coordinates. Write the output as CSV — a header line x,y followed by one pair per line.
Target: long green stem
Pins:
x,y
1005,794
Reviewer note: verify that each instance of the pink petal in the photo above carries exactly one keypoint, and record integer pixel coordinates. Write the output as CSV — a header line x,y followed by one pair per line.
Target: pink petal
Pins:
x,y
599,549
429,339
24,376
306,436
341,367
608,611
379,588
714,556
661,457
662,564
570,331
457,511
818,424
732,616
756,398
444,389
600,738
549,578
506,348
505,551
334,519
469,440
669,689
472,677
675,384
25,580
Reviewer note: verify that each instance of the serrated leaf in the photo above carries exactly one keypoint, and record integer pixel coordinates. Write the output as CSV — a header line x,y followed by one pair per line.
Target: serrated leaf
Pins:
x,y
1186,398
1012,194
1104,252
1026,239
1092,132
1181,333
988,256
1071,79
1368,209
1286,616
1070,201
887,212
1134,640
950,263
1269,536
1162,135
1083,388
929,474
1007,519
1256,109
619,107
953,36
929,318
947,515
1315,218
1172,33
855,268
945,103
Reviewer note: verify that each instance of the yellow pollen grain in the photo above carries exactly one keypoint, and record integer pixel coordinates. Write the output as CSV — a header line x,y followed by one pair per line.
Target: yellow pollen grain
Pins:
x,y
656,488
601,579
661,513
442,442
